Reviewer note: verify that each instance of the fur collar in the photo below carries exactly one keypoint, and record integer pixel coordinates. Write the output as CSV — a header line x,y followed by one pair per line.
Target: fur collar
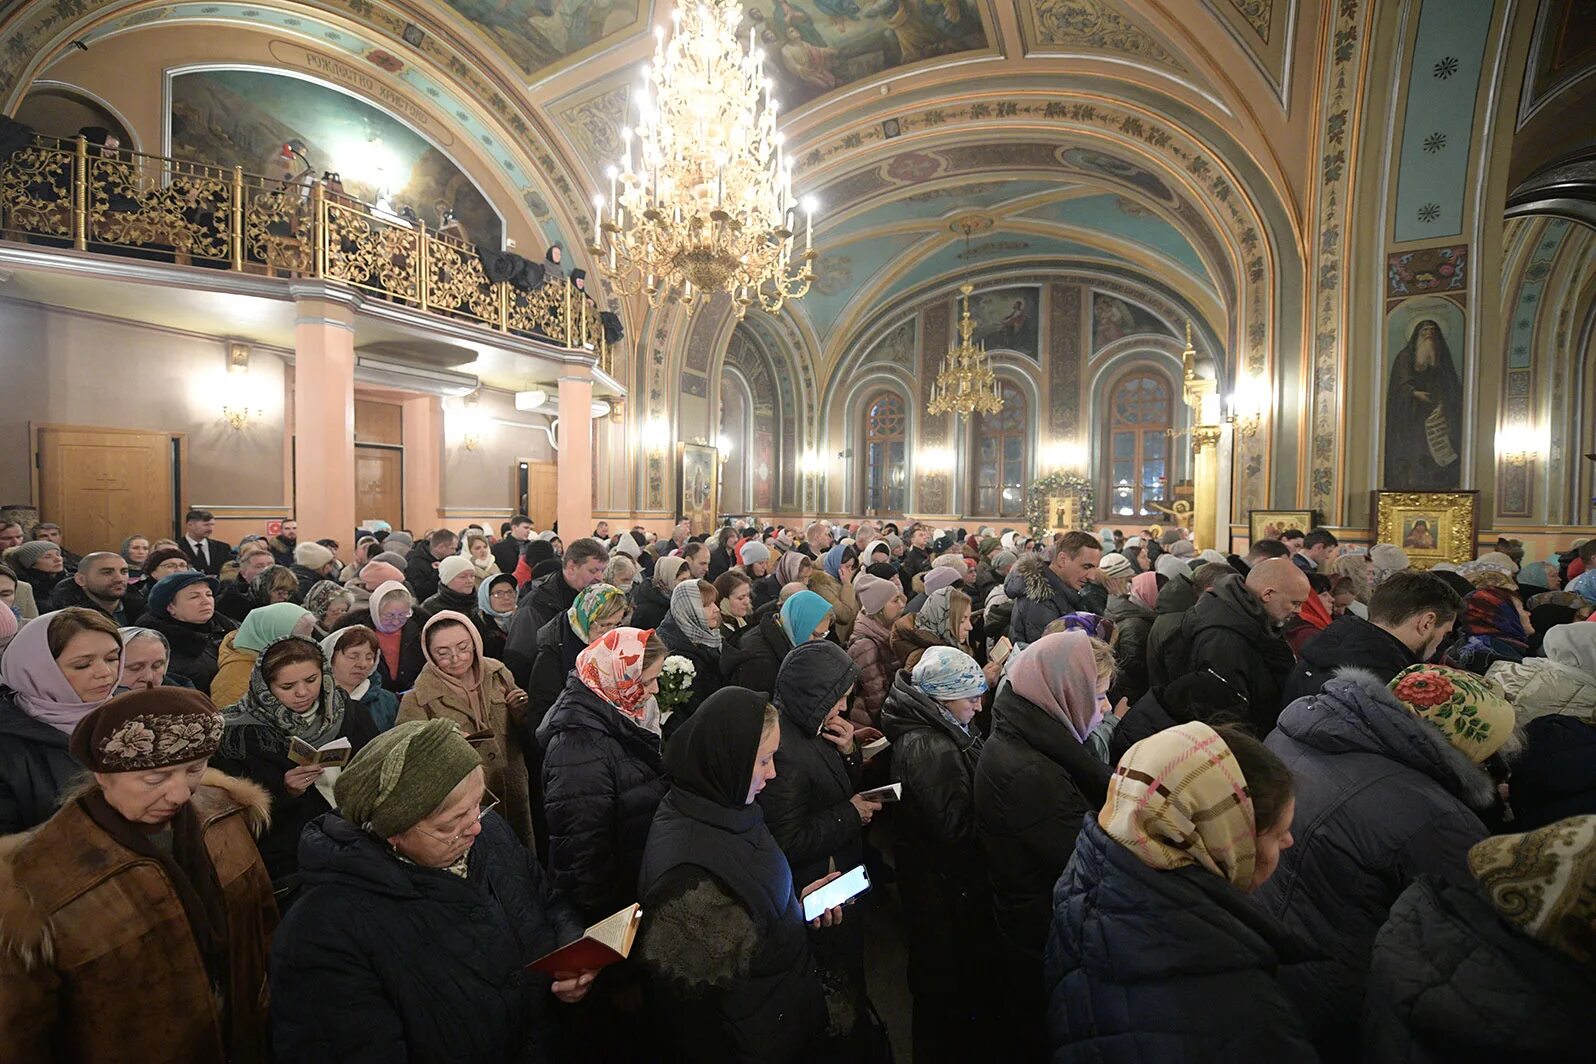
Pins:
x,y
1033,570
25,927
1474,784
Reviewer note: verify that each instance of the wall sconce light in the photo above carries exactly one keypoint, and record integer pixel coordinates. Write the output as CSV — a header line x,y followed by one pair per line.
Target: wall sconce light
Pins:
x,y
1064,455
236,410
1247,404
473,423
723,446
656,435
617,410
936,460
810,462
1519,444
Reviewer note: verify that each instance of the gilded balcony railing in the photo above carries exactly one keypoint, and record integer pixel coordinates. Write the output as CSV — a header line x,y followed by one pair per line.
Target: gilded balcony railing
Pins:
x,y
74,194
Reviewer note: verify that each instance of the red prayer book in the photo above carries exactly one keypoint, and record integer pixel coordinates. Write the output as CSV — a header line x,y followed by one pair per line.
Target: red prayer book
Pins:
x,y
605,943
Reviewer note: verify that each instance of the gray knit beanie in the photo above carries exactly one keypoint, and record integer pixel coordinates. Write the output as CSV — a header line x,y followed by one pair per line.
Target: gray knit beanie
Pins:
x,y
29,553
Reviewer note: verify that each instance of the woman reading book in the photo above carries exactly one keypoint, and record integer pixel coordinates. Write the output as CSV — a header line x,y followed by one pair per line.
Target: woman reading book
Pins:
x,y
723,942
292,705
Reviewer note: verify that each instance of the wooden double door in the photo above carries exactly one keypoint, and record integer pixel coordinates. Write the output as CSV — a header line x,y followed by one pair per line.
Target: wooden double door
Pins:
x,y
101,485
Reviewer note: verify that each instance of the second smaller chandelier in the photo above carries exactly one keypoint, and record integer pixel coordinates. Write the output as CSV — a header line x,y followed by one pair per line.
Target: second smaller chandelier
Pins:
x,y
966,384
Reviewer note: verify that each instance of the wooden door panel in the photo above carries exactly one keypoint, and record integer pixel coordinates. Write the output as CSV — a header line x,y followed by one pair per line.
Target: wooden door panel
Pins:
x,y
379,484
101,486
542,498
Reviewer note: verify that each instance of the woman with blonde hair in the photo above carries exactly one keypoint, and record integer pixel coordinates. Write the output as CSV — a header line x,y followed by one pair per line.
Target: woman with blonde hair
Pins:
x,y
479,552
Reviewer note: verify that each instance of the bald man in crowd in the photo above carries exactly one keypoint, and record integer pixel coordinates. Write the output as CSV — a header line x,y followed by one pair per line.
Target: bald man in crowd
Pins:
x,y
1235,633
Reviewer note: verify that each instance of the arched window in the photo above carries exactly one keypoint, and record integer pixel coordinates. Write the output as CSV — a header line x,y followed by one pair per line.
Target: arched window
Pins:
x,y
997,476
1140,414
886,440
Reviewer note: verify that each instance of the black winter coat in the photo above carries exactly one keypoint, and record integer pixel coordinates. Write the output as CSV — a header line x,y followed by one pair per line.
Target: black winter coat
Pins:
x,y
35,767
1150,967
706,679
1228,632
1381,798
543,599
650,605
507,553
421,571
43,584
255,752
806,806
720,560
756,658
601,785
412,658
1349,640
1555,775
383,961
1033,788
1451,982
1147,716
1040,598
308,578
942,880
446,599
723,941
68,594
557,648
1163,639
194,646
235,601
767,590
1133,622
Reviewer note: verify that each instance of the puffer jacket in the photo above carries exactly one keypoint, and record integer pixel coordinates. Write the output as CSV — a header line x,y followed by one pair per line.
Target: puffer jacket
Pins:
x,y
706,670
1348,641
1540,686
871,650
601,784
1451,982
35,767
1133,622
235,601
844,604
1177,596
233,668
1034,786
1228,632
941,872
1040,598
756,658
1146,966
650,606
541,601
381,960
1381,798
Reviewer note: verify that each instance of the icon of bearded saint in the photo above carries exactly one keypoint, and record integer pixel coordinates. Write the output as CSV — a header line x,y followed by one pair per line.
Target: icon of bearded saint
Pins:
x,y
1423,414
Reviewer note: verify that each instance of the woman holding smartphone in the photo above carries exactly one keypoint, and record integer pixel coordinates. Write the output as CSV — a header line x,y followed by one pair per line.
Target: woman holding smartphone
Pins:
x,y
723,942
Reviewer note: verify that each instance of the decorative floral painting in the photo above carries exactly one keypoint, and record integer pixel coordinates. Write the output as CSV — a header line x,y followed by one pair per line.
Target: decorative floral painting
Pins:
x,y
819,45
536,33
246,118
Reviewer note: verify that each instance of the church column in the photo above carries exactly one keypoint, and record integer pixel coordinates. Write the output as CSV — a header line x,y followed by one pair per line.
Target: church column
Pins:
x,y
324,421
423,480
574,497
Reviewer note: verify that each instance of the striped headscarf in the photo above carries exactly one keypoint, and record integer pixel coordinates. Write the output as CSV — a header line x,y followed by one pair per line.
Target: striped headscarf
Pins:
x,y
1178,798
687,609
592,602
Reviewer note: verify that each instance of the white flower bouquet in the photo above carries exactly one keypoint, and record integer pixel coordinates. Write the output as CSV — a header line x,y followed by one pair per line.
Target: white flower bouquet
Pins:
x,y
676,682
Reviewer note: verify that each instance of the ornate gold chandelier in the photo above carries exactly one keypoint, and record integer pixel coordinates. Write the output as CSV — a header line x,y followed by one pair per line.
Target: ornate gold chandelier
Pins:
x,y
966,383
701,199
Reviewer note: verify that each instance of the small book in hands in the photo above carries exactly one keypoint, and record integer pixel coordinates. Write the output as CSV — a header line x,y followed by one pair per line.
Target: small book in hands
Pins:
x,y
871,749
335,754
892,792
605,943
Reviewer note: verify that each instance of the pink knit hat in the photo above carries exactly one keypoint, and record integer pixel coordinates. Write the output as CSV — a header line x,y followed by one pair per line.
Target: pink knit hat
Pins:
x,y
375,574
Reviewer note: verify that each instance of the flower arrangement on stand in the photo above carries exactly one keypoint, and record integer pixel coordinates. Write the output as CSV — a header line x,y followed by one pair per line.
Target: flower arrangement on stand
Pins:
x,y
675,684
1055,486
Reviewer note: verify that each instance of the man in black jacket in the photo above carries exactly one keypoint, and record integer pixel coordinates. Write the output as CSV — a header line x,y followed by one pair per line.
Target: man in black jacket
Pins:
x,y
1236,633
917,558
421,564
1410,616
206,554
1060,581
547,596
99,584
507,552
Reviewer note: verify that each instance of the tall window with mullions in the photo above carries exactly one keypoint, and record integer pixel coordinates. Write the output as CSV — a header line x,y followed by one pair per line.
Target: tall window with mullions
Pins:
x,y
1141,412
886,443
997,476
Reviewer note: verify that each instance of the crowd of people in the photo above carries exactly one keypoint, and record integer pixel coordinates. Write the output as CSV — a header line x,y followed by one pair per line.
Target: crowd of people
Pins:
x,y
1151,802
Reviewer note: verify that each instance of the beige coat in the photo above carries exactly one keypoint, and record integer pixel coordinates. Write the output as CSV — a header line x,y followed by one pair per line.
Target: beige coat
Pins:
x,y
503,760
844,603
97,960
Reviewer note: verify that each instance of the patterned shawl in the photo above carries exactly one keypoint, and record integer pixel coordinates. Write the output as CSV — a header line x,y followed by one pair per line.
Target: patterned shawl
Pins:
x,y
260,706
592,602
612,668
1544,882
1178,798
687,607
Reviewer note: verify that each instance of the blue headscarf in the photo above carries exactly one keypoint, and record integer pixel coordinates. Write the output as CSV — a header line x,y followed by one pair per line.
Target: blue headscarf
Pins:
x,y
801,613
833,561
1583,585
948,674
485,589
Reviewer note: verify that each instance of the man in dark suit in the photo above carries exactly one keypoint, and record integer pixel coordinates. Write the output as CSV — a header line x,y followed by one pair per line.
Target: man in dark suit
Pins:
x,y
207,554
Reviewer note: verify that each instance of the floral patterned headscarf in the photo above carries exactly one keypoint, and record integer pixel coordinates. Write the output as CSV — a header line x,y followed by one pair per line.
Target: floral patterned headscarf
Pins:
x,y
1471,711
612,668
593,602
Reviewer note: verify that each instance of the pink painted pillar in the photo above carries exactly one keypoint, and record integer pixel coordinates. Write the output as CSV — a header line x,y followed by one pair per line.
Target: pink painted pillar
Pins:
x,y
324,421
423,439
575,495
